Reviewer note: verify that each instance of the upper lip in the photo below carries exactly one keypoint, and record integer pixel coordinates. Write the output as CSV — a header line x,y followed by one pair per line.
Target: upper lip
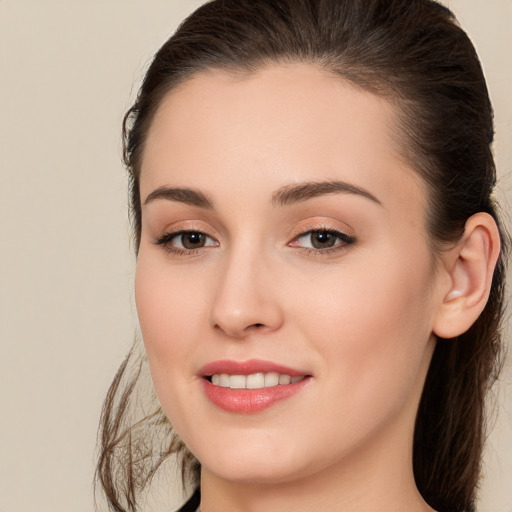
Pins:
x,y
247,368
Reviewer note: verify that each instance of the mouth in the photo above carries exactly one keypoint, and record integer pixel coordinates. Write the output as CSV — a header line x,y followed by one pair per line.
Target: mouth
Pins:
x,y
253,381
251,386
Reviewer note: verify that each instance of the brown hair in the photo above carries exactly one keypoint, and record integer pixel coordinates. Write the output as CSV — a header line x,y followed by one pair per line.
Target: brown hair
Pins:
x,y
414,53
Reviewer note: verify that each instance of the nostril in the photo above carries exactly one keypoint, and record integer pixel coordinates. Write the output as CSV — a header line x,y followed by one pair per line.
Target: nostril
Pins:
x,y
253,327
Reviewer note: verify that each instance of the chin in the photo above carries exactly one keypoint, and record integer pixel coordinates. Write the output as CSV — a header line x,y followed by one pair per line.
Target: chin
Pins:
x,y
247,462
260,473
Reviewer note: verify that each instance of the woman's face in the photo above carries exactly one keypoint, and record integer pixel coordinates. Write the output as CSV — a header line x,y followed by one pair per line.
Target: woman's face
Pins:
x,y
283,235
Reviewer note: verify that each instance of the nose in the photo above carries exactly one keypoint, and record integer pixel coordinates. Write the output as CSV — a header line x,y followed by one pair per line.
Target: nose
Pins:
x,y
246,300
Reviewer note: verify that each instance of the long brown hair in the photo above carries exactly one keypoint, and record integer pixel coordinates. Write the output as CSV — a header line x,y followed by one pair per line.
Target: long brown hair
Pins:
x,y
414,53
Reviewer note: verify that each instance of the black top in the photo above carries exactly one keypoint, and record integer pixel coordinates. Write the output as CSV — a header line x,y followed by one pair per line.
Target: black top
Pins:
x,y
192,503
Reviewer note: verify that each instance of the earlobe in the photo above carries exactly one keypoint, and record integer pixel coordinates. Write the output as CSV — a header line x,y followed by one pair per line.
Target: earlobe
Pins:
x,y
470,265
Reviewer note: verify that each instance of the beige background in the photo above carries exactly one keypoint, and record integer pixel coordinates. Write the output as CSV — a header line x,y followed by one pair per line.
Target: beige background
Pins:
x,y
68,71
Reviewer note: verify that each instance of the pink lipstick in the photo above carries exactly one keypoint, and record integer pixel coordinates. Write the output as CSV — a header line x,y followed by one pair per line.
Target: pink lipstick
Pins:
x,y
250,386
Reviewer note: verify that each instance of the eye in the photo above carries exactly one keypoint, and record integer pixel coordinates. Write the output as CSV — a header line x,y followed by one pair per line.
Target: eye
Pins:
x,y
322,240
185,241
190,240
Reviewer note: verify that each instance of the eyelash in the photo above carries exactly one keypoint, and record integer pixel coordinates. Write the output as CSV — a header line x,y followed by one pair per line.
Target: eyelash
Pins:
x,y
344,240
165,242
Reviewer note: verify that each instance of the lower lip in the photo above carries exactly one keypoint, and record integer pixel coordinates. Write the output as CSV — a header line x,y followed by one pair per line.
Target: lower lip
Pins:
x,y
251,400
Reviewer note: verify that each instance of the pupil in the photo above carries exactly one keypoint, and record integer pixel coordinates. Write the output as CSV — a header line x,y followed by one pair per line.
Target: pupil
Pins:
x,y
192,240
323,239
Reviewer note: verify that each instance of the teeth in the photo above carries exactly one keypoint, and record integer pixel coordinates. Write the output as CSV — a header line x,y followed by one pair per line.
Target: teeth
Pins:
x,y
224,381
271,379
237,381
284,379
253,381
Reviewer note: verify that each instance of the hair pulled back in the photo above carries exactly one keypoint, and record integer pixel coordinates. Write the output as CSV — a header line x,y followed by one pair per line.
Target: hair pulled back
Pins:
x,y
414,53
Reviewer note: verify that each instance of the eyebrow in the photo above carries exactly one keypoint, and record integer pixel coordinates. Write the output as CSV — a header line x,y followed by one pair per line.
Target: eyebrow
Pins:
x,y
292,194
181,195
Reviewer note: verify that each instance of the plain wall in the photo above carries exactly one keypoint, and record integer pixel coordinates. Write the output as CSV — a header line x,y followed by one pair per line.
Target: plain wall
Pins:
x,y
68,71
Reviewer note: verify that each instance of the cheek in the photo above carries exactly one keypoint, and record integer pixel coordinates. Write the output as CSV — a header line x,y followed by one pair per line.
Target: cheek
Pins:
x,y
169,307
371,326
168,300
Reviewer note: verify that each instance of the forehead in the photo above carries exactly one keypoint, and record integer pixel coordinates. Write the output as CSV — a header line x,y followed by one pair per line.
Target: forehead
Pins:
x,y
295,99
281,124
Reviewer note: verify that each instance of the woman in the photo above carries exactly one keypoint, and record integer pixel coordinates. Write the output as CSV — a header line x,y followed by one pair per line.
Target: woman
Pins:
x,y
320,264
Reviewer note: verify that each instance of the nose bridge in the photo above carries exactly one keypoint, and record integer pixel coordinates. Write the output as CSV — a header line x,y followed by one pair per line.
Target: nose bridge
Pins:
x,y
244,300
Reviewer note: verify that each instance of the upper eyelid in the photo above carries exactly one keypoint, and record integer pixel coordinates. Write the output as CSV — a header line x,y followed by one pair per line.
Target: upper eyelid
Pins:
x,y
342,235
300,229
296,234
326,230
321,225
175,233
188,227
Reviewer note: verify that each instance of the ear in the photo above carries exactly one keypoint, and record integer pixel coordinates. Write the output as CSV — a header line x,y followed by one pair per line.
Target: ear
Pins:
x,y
470,266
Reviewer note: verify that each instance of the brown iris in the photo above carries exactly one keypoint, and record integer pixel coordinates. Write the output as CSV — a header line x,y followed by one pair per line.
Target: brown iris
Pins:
x,y
323,239
193,240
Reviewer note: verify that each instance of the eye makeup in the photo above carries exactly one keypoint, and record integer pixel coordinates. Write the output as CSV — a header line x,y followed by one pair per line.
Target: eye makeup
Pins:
x,y
319,241
185,242
322,240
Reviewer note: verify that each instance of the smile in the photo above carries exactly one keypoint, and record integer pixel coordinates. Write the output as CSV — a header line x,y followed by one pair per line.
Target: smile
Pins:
x,y
251,386
254,380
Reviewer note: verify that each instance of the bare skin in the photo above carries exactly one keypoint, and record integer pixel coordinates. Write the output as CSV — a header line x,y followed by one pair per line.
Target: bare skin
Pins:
x,y
256,280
